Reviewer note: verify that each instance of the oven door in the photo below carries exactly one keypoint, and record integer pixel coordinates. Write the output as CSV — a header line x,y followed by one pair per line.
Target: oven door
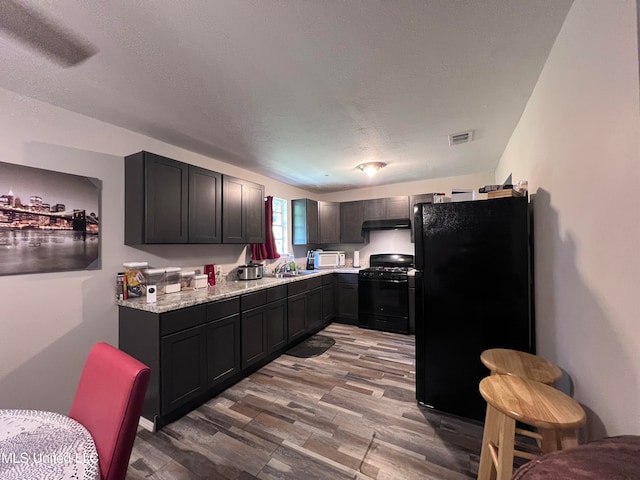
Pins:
x,y
383,304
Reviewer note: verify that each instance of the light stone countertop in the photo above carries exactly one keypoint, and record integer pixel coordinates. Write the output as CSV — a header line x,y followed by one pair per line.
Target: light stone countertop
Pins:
x,y
227,289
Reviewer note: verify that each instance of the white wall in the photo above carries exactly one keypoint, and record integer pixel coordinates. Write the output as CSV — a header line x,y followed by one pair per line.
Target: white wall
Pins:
x,y
49,321
578,143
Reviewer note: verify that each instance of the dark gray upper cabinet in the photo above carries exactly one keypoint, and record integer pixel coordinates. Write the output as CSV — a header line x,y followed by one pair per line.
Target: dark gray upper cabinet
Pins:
x,y
156,199
205,206
351,218
398,207
389,208
242,211
167,201
304,221
375,209
329,222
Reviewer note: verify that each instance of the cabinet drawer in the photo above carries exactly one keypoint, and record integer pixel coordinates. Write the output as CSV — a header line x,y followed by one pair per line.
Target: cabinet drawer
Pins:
x,y
276,293
177,320
348,278
253,300
304,285
328,279
223,308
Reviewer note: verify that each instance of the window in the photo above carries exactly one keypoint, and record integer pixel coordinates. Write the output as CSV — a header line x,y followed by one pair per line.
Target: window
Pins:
x,y
279,224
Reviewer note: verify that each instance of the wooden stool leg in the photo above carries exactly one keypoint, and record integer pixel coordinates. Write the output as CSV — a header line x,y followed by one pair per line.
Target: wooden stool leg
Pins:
x,y
490,436
505,450
549,442
568,439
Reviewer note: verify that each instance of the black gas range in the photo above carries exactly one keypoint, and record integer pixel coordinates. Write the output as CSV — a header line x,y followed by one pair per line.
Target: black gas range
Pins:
x,y
383,293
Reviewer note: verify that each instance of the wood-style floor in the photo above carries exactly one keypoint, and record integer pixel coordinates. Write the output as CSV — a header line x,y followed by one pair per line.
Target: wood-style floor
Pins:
x,y
350,413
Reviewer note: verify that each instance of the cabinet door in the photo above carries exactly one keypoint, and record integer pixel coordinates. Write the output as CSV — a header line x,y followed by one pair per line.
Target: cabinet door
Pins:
x,y
205,206
223,349
276,317
296,315
351,218
314,308
328,302
253,212
254,336
348,299
166,200
375,209
183,367
329,222
232,221
304,221
398,207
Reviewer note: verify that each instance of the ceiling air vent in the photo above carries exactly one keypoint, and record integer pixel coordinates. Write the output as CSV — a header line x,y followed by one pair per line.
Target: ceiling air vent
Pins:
x,y
462,137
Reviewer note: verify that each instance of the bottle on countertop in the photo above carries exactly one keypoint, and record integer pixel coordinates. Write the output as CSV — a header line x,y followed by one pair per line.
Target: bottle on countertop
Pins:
x,y
120,286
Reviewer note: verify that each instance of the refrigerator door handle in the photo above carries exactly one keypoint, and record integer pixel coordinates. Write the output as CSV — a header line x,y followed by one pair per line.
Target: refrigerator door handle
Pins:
x,y
417,235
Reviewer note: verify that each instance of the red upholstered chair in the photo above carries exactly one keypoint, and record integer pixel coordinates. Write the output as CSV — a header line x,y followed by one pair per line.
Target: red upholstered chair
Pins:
x,y
108,403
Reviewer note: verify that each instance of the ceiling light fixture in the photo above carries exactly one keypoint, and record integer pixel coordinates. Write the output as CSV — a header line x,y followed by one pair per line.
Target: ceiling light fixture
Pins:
x,y
371,168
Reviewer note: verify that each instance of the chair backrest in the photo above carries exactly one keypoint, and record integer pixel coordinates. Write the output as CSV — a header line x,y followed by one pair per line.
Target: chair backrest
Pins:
x,y
108,402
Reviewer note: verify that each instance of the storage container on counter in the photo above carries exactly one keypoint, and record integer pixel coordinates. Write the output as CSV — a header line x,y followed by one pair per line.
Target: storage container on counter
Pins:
x,y
187,280
172,276
156,276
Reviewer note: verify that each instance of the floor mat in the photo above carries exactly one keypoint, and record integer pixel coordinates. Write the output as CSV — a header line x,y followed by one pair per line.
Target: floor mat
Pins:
x,y
312,347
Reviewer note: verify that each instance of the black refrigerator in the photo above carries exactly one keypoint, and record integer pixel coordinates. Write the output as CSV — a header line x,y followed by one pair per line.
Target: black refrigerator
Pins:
x,y
473,292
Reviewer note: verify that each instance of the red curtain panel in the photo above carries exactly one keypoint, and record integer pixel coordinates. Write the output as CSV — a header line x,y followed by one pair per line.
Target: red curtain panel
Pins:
x,y
268,249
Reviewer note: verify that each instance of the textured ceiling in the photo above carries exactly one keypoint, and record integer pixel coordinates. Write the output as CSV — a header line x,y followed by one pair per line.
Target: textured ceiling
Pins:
x,y
302,90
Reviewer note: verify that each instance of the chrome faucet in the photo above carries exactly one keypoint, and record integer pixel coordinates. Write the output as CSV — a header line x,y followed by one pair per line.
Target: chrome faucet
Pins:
x,y
282,268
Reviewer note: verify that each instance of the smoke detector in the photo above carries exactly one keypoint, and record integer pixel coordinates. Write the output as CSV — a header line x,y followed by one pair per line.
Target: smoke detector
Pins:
x,y
462,137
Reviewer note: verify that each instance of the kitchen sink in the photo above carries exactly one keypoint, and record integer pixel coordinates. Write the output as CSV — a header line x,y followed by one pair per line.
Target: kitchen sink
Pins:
x,y
298,274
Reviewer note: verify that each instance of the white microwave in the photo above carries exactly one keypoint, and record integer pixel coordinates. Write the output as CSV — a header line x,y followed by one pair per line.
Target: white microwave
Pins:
x,y
327,259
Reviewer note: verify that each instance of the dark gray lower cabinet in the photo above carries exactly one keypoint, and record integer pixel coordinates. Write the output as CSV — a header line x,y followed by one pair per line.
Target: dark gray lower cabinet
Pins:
x,y
328,298
276,318
304,306
264,323
223,349
297,315
254,336
183,367
347,298
314,308
196,352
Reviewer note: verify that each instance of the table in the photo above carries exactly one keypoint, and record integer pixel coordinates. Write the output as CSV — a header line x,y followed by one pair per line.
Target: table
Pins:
x,y
43,445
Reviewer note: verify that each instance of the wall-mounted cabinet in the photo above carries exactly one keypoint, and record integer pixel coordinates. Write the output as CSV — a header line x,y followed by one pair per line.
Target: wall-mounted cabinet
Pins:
x,y
389,208
205,206
351,218
167,201
243,213
156,200
329,222
304,221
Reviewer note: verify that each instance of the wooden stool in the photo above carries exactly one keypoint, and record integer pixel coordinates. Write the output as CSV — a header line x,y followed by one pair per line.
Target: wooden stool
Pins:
x,y
511,398
521,364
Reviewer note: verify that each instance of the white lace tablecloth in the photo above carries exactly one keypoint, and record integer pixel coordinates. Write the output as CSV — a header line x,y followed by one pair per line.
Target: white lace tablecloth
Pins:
x,y
45,446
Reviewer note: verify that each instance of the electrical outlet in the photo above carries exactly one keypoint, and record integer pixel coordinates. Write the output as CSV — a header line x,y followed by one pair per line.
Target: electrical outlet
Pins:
x,y
218,269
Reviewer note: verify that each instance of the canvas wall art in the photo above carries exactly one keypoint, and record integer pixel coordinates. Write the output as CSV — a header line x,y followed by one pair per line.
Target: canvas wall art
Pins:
x,y
49,221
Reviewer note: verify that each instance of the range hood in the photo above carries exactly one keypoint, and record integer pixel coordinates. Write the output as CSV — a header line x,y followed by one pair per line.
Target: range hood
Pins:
x,y
394,224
